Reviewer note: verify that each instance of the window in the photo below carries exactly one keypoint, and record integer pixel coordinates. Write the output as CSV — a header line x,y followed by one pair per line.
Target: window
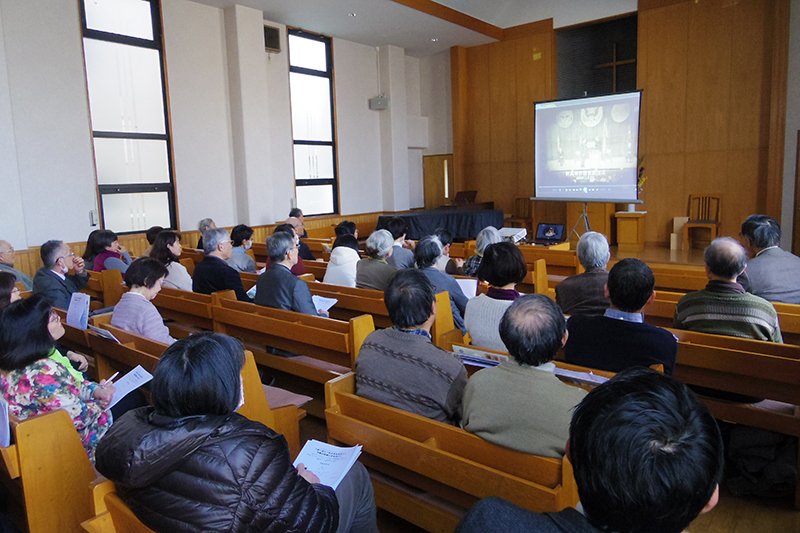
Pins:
x,y
124,59
313,130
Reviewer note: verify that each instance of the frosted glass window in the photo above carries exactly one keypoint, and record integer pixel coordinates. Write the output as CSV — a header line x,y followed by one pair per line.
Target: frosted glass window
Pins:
x,y
315,199
124,87
313,162
311,107
123,17
135,211
131,161
307,53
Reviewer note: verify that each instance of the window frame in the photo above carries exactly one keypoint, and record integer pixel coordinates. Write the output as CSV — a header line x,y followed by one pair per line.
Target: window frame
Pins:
x,y
156,44
329,74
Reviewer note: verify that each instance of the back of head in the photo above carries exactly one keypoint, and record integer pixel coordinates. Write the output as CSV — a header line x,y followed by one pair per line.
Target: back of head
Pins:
x,y
502,264
50,253
397,227
762,231
532,329
346,240
379,243
345,228
630,284
152,233
160,250
199,375
204,224
647,455
285,228
409,298
593,250
212,238
91,244
725,257
24,337
145,272
427,251
445,236
295,212
279,244
241,233
488,235
7,283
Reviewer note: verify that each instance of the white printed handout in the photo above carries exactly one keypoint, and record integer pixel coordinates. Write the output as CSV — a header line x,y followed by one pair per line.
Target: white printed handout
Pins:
x,y
322,303
5,430
330,463
104,333
78,312
469,287
130,382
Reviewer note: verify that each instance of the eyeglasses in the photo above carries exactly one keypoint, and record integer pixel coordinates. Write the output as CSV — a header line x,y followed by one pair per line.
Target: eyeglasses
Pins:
x,y
9,251
71,254
54,316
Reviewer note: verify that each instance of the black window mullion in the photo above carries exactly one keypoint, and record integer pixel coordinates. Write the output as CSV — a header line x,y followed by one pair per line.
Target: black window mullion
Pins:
x,y
313,143
130,135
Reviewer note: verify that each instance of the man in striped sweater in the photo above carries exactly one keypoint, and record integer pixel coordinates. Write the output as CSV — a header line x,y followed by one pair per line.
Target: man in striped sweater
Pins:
x,y
723,307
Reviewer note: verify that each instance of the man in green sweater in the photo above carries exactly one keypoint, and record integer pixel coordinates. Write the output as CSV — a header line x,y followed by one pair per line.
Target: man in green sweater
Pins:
x,y
723,307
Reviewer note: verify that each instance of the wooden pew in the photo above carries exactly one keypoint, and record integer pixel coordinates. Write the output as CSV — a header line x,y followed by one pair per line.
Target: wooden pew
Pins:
x,y
318,247
559,262
429,472
190,311
195,255
317,268
112,515
107,287
354,302
188,263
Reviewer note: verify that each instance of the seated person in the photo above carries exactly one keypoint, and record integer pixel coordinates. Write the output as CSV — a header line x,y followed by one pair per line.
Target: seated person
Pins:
x,y
278,287
213,274
620,339
298,214
455,266
521,404
36,379
299,229
151,235
401,256
298,269
9,292
135,312
203,226
771,273
503,266
53,280
647,457
426,254
242,237
7,258
400,366
488,235
341,269
191,463
346,227
584,294
723,307
106,252
167,249
374,271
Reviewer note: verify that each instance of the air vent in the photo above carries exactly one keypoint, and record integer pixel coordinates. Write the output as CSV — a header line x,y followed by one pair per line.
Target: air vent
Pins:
x,y
272,39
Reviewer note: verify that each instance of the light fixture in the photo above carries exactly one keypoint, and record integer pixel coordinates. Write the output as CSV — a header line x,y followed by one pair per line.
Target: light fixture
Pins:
x,y
434,40
351,14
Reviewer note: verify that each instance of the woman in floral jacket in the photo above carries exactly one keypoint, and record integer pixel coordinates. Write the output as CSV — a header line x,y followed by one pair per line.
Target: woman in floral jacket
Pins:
x,y
33,383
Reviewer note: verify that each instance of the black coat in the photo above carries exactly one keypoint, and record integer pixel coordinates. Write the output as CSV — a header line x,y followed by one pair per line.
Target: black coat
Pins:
x,y
212,274
211,473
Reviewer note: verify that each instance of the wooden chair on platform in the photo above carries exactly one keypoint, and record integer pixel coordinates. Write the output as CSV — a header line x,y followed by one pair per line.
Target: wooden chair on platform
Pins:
x,y
704,212
522,217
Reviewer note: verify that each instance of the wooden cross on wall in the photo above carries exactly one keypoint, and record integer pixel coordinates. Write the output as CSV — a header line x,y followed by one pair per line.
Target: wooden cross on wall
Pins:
x,y
614,64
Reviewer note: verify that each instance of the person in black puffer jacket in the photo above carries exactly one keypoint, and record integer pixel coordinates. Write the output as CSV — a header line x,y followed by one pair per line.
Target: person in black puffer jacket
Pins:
x,y
190,463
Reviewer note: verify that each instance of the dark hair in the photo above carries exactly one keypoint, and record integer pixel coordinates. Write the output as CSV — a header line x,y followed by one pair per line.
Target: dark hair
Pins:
x,y
409,298
427,251
646,453
241,233
49,253
7,283
198,375
397,227
502,264
345,228
160,250
725,257
532,329
24,337
763,231
285,228
100,240
152,233
91,244
630,284
346,240
144,272
445,236
295,212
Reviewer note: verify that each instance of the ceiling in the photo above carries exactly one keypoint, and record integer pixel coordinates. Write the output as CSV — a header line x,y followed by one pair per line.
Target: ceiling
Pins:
x,y
384,22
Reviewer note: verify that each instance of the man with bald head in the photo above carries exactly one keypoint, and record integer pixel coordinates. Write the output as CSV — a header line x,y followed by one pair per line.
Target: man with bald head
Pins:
x,y
7,258
724,307
299,229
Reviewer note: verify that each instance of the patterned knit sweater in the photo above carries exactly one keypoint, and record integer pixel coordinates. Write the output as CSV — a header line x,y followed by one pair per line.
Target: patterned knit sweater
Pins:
x,y
727,313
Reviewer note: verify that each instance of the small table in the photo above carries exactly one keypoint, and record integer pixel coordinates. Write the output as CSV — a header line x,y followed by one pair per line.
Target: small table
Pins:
x,y
630,230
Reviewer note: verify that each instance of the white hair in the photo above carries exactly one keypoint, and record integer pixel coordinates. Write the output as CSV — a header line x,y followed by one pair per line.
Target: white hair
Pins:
x,y
593,250
488,235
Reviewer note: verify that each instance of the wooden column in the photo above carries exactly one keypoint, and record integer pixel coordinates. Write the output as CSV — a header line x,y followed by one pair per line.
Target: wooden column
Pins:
x,y
458,80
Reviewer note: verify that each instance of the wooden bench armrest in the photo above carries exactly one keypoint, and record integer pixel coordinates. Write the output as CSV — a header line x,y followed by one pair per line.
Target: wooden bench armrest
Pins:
x,y
344,383
100,487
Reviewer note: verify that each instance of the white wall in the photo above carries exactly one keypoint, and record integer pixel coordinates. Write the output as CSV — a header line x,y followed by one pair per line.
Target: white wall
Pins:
x,y
436,102
792,125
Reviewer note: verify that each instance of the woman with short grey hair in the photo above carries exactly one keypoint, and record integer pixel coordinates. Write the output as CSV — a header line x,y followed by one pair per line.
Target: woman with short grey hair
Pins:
x,y
488,235
373,272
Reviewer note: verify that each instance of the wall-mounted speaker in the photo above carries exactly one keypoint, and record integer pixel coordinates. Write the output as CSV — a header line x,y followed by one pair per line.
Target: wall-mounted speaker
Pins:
x,y
272,39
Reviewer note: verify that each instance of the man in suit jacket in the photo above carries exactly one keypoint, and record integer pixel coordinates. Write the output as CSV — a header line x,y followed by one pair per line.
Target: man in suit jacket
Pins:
x,y
584,294
53,280
278,287
7,257
213,273
771,273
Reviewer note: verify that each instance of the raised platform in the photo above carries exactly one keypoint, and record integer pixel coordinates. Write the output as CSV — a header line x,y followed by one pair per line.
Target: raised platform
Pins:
x,y
661,255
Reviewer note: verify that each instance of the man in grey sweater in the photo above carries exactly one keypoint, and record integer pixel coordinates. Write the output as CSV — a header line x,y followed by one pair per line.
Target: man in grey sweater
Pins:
x,y
400,366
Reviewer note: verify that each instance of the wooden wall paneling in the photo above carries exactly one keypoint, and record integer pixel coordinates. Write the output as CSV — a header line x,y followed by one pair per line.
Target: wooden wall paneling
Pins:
x,y
707,173
550,213
645,5
503,125
479,178
478,141
744,167
460,106
532,28
666,194
600,219
777,122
